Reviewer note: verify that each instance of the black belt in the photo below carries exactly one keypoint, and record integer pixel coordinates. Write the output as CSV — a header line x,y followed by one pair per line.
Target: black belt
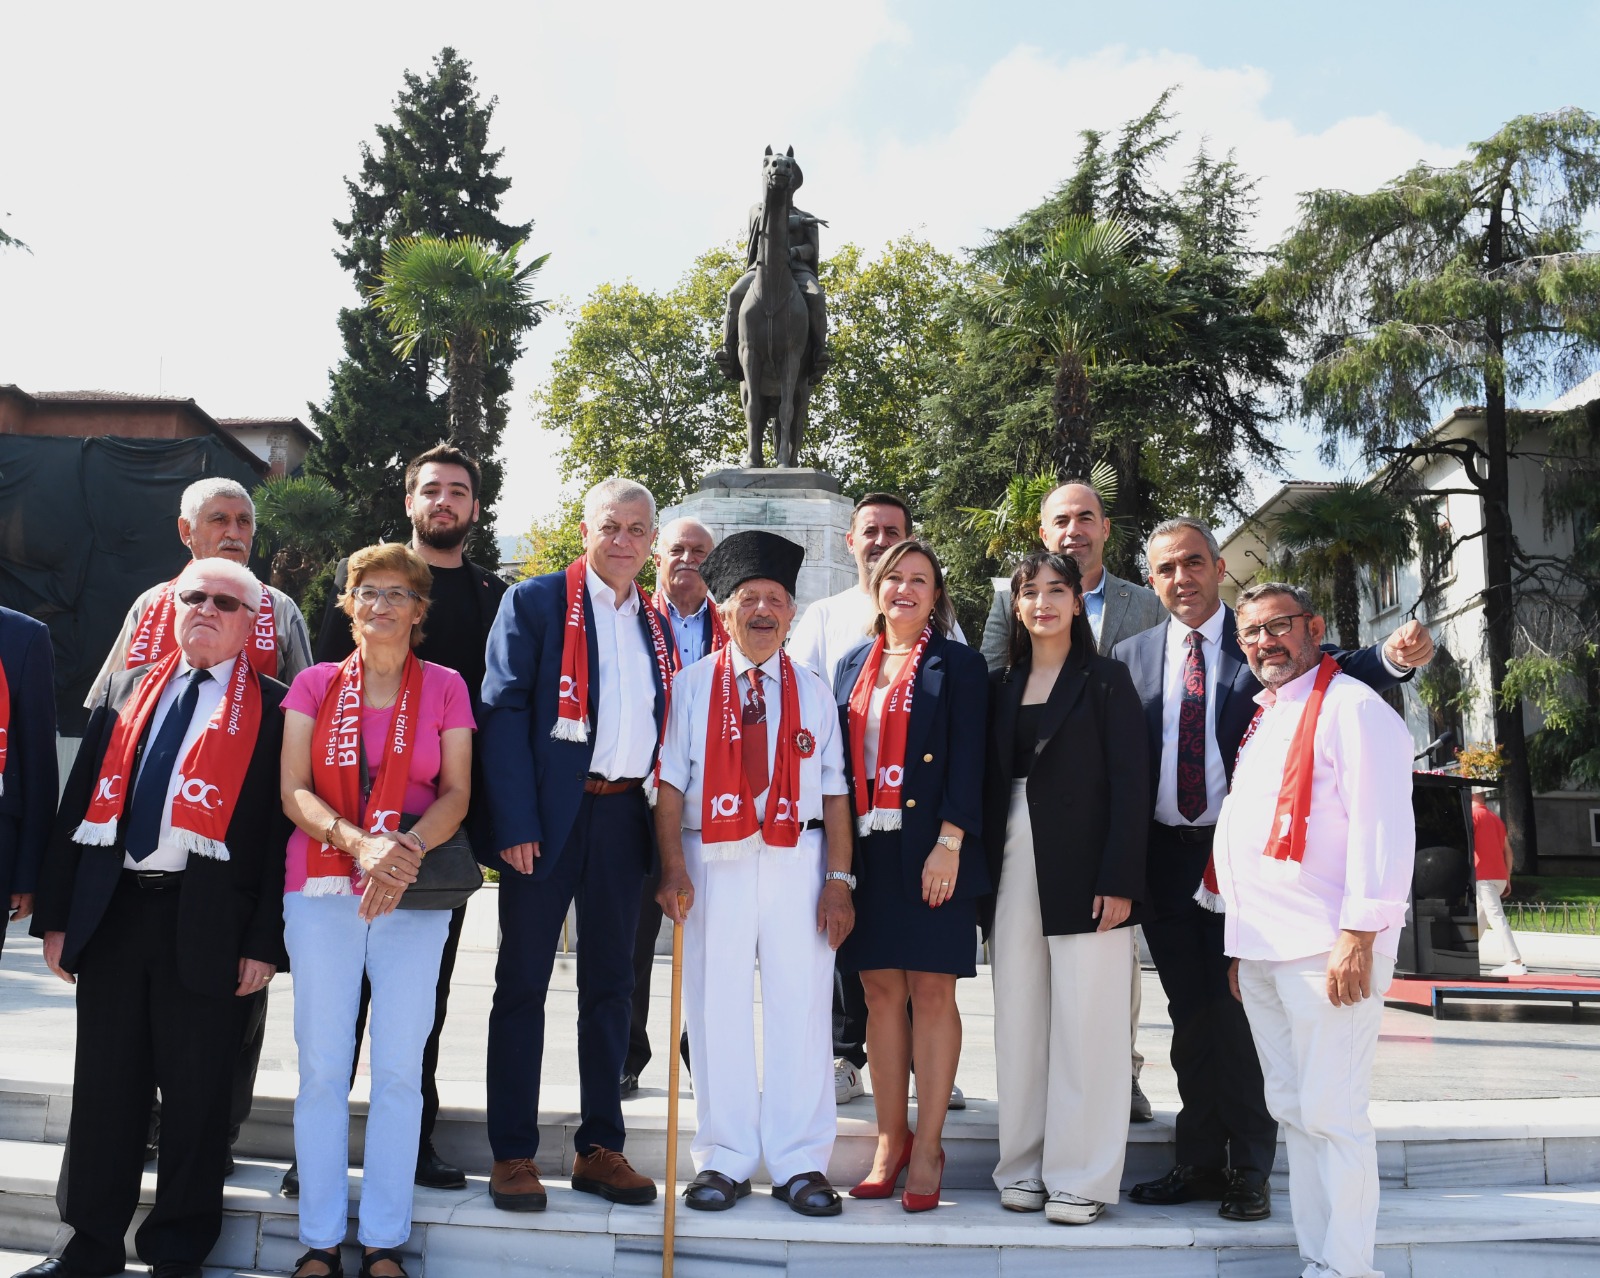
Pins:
x,y
813,824
1187,833
153,880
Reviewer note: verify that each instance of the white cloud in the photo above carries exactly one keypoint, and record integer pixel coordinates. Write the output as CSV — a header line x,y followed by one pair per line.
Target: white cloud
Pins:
x,y
179,176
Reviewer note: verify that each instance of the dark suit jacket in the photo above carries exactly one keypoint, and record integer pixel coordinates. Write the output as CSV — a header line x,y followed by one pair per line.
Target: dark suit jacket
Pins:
x,y
944,759
535,782
227,910
28,805
1145,657
1088,789
1129,608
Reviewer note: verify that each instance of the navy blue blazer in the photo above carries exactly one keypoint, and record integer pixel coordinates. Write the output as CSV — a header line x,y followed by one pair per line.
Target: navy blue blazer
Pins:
x,y
520,687
28,806
1145,656
944,759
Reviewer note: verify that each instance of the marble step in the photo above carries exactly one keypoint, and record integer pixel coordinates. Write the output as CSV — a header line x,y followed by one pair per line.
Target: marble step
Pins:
x,y
1422,1233
1422,1144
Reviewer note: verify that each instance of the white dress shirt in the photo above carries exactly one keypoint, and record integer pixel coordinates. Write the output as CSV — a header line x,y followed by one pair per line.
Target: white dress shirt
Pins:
x,y
167,856
625,710
683,754
831,627
1361,837
1177,652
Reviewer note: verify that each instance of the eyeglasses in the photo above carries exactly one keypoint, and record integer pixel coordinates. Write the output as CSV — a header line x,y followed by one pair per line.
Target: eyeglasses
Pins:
x,y
394,596
1250,636
224,603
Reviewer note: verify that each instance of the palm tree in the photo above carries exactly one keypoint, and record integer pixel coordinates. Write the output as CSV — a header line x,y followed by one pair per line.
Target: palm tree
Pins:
x,y
460,298
302,521
1011,527
1335,533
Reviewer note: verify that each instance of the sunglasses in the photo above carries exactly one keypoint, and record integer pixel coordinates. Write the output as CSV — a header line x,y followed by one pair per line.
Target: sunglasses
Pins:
x,y
224,603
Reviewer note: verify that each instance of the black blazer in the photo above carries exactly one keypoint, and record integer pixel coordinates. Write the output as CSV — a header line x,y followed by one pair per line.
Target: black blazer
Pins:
x,y
28,803
944,760
1088,790
227,910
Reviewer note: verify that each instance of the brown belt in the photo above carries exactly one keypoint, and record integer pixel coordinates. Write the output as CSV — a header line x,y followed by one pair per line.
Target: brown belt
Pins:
x,y
599,785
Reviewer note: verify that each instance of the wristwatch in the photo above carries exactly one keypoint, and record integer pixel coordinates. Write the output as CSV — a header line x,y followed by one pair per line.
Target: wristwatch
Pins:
x,y
849,880
950,841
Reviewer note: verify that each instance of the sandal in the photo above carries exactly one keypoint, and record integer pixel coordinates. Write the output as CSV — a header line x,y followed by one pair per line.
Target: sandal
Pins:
x,y
380,1254
317,1256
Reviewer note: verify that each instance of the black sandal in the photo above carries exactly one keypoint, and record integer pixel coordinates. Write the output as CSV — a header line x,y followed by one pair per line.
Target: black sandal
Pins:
x,y
382,1253
317,1255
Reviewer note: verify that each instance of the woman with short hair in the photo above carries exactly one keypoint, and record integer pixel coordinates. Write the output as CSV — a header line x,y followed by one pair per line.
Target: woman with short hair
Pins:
x,y
366,743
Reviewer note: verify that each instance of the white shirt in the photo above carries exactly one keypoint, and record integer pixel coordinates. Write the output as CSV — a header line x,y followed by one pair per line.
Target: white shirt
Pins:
x,y
1177,652
1361,837
831,627
624,728
683,754
167,856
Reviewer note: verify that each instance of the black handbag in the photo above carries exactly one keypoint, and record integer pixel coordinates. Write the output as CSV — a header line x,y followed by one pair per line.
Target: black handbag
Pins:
x,y
449,873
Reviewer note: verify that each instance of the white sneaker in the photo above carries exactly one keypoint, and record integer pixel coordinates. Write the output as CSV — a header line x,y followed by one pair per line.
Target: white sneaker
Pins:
x,y
958,1098
1513,968
847,1084
1024,1195
1068,1209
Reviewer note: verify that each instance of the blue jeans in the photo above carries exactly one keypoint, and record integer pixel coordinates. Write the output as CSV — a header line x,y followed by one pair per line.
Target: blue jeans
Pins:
x,y
329,947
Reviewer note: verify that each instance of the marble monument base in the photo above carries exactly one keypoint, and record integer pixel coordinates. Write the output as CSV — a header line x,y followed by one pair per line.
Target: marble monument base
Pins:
x,y
801,504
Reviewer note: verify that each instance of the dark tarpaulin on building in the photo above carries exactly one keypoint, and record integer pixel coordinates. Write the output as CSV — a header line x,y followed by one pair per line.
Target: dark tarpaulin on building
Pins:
x,y
85,526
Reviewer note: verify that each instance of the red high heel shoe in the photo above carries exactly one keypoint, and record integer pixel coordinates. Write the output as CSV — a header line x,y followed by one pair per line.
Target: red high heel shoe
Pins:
x,y
884,1188
925,1202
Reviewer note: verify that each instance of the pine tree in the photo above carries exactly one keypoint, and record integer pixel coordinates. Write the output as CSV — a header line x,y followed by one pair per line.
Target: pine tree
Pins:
x,y
432,173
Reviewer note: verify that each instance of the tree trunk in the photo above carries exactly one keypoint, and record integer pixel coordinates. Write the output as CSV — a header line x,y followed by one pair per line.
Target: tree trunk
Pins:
x,y
466,394
1499,605
1346,603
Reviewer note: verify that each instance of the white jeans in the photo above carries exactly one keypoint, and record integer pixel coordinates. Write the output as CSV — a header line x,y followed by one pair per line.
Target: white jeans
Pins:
x,y
1061,1069
329,947
1492,914
760,908
1316,1061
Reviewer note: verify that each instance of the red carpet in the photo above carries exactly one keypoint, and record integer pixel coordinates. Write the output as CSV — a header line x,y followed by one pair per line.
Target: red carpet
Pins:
x,y
1420,993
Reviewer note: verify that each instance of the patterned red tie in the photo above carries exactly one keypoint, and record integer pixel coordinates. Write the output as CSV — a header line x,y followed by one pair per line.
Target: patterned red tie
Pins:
x,y
753,730
1192,733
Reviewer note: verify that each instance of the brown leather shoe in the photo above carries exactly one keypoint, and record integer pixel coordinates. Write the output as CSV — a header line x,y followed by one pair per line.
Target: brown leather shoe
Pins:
x,y
606,1172
514,1185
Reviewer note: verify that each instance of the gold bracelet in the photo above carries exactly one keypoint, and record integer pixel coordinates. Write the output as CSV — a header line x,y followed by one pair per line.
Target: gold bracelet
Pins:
x,y
327,835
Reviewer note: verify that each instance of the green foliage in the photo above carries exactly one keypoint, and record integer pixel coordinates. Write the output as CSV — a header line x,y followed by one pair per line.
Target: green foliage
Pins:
x,y
1335,534
302,523
433,174
553,542
1011,528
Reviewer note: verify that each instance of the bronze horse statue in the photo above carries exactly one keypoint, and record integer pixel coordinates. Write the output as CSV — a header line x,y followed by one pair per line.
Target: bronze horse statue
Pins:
x,y
774,325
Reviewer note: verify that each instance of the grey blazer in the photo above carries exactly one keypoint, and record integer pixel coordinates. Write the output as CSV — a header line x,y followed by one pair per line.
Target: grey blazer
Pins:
x,y
1130,608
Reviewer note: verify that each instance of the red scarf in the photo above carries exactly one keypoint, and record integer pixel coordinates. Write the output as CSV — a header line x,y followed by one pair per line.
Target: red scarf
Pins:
x,y
5,725
154,635
728,827
1292,817
719,632
878,805
336,769
572,705
213,770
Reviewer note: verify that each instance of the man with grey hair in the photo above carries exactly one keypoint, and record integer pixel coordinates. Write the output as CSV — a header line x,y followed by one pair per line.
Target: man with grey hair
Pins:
x,y
578,673
216,520
1198,694
1313,858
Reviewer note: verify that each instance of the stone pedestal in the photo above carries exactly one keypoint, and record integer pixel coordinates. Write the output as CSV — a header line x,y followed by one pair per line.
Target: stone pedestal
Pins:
x,y
803,505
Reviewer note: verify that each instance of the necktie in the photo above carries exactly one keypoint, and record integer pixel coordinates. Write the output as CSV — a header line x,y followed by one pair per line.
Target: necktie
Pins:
x,y
1192,733
150,792
753,730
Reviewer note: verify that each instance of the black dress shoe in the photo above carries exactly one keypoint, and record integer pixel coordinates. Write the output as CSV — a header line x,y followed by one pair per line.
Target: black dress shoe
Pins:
x,y
434,1173
291,1183
712,1191
630,1084
810,1194
55,1267
1183,1184
1249,1197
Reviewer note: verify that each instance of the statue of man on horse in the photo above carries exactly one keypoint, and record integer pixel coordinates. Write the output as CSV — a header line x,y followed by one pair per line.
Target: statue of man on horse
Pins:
x,y
776,327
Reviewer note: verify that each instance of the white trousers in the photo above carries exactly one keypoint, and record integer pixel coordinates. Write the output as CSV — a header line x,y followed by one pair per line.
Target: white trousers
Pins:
x,y
760,909
1492,914
1061,1066
1316,1061
1135,1005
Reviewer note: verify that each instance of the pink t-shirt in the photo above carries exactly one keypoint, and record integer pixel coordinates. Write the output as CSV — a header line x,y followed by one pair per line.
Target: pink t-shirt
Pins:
x,y
445,704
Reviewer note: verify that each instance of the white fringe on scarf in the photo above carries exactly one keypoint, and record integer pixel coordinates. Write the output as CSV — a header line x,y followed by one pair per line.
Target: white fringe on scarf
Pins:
x,y
749,846
329,885
570,729
189,841
1209,899
878,819
96,834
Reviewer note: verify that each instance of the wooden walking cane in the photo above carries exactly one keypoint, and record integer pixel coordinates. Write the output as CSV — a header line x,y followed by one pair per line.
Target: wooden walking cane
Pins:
x,y
673,1058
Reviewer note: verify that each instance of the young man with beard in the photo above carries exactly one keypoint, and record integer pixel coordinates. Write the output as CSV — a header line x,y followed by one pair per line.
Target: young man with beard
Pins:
x,y
442,505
